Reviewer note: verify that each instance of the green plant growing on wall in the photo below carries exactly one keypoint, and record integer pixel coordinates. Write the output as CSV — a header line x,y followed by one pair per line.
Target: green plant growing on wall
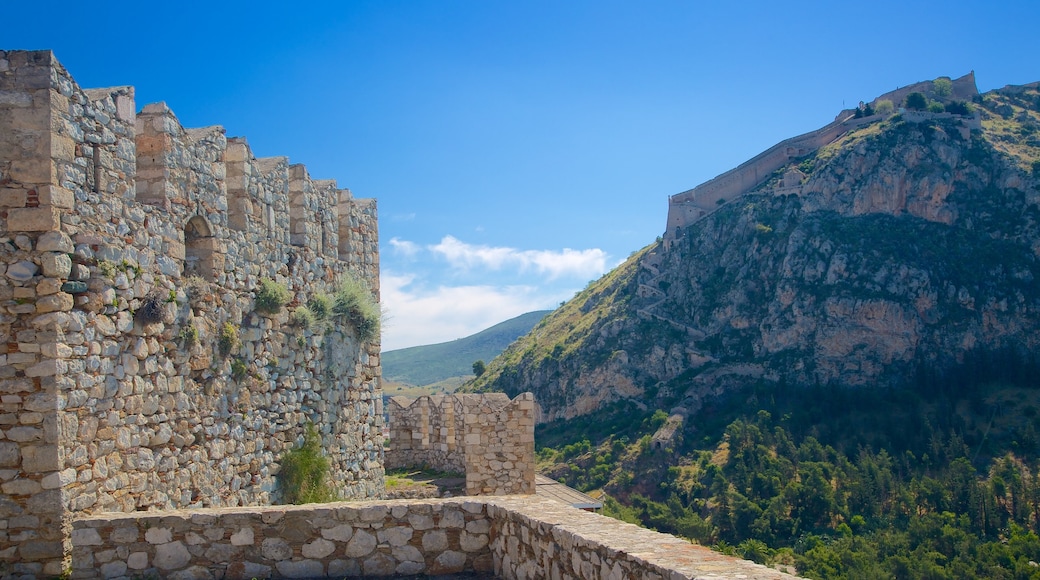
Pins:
x,y
303,317
106,268
239,370
228,339
271,296
321,306
354,303
304,473
189,336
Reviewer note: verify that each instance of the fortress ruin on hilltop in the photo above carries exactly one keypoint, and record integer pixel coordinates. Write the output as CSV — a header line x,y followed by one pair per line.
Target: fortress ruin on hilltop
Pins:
x,y
692,205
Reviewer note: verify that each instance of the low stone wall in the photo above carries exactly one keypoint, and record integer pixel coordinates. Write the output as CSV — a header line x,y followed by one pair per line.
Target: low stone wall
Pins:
x,y
541,538
518,537
314,541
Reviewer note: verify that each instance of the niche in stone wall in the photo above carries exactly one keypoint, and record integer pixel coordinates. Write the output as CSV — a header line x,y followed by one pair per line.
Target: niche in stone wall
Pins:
x,y
203,254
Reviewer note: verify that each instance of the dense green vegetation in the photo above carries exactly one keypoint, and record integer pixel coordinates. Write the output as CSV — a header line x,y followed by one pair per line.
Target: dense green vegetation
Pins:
x,y
304,473
936,481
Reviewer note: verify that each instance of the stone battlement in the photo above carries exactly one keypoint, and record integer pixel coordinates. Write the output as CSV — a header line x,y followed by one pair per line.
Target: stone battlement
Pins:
x,y
486,436
138,367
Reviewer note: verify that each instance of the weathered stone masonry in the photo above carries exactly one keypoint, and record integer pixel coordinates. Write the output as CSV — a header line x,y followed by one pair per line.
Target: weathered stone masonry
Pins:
x,y
487,437
131,248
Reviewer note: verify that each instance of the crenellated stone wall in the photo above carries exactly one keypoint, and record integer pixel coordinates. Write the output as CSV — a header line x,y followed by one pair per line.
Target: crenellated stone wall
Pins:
x,y
136,372
486,436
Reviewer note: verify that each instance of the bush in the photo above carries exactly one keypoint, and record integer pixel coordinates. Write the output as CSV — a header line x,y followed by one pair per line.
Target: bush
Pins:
x,y
354,303
303,317
943,87
151,311
189,336
916,101
936,107
320,305
271,296
238,369
304,472
228,340
884,107
959,108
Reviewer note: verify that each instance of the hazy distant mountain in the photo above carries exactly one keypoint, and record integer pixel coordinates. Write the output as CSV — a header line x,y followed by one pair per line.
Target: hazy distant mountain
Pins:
x,y
425,365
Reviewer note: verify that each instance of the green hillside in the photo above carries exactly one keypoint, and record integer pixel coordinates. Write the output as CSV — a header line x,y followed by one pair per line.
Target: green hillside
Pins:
x,y
426,365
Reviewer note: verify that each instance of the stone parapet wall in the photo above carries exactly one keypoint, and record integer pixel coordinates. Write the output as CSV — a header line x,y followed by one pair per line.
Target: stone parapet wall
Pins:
x,y
368,539
136,371
518,537
487,436
542,538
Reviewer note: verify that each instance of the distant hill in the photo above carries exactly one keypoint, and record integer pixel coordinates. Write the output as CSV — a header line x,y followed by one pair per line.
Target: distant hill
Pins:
x,y
426,365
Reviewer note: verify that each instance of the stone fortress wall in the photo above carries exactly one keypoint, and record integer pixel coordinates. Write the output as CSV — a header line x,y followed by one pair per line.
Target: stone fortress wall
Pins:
x,y
486,436
694,204
135,370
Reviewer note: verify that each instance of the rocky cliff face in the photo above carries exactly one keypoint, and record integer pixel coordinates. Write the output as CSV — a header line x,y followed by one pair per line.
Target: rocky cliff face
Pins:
x,y
911,251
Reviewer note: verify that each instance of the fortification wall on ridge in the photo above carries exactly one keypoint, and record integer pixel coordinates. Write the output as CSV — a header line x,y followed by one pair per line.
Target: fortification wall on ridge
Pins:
x,y
487,436
694,204
136,371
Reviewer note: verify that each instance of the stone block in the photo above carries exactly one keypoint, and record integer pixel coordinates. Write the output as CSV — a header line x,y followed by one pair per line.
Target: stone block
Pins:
x,y
57,196
171,556
12,197
34,171
300,569
21,487
39,458
86,537
33,219
60,302
10,454
38,550
22,271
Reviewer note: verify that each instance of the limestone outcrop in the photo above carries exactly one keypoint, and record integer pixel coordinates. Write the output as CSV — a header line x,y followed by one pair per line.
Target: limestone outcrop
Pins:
x,y
908,252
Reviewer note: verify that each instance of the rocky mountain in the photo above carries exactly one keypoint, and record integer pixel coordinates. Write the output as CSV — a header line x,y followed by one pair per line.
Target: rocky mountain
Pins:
x,y
909,253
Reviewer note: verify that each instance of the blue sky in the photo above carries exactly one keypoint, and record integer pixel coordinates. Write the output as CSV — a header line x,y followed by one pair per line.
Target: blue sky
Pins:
x,y
519,149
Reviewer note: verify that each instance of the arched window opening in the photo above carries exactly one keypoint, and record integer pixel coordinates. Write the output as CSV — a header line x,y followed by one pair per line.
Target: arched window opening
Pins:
x,y
200,249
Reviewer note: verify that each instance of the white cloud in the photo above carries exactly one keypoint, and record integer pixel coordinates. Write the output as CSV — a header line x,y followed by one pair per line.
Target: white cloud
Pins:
x,y
466,288
404,247
582,264
418,315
